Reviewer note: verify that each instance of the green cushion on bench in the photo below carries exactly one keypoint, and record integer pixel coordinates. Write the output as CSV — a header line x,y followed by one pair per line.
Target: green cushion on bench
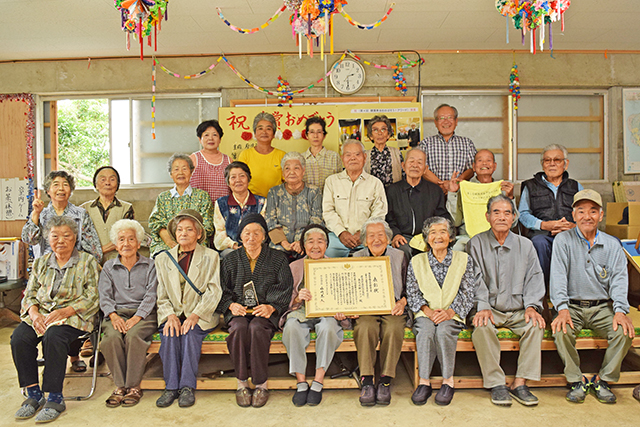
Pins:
x,y
220,336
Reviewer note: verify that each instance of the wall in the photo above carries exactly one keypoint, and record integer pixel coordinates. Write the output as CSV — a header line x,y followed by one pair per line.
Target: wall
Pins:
x,y
440,71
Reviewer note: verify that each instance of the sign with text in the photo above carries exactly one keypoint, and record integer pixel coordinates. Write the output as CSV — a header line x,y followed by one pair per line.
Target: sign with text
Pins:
x,y
353,286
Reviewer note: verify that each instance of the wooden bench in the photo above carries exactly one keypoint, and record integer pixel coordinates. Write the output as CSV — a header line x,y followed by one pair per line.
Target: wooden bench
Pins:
x,y
215,343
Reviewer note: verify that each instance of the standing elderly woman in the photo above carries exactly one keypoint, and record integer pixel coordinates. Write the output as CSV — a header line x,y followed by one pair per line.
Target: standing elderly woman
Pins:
x,y
441,287
210,162
59,304
387,330
229,210
263,159
292,206
257,285
107,209
59,186
188,294
127,287
383,162
321,162
295,335
181,196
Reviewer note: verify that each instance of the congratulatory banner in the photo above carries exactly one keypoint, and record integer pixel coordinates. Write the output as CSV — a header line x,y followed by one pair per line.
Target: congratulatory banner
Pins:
x,y
343,121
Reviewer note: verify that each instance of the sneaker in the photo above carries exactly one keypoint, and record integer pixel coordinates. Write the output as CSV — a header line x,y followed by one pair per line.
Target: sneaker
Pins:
x,y
167,398
368,395
187,397
524,396
602,391
383,395
578,391
500,396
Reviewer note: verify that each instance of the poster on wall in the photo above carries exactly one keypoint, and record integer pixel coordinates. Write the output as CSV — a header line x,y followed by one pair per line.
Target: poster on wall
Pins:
x,y
631,118
343,121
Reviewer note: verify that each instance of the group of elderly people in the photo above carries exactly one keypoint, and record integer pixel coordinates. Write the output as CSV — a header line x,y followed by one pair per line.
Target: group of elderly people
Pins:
x,y
305,206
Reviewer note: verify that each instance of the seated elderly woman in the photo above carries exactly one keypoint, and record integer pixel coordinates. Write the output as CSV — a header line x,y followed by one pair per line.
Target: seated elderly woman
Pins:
x,y
229,210
127,289
188,294
59,186
59,305
257,285
441,287
295,335
292,206
388,330
170,202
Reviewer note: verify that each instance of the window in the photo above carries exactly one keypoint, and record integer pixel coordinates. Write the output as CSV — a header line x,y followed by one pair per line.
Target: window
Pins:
x,y
122,134
575,119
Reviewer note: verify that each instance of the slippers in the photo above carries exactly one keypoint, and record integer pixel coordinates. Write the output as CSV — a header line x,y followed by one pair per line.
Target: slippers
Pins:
x,y
78,366
87,349
29,408
116,397
50,412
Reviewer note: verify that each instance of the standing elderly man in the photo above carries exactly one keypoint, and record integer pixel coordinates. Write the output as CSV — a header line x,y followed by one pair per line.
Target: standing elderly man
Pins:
x,y
412,201
350,198
589,285
545,203
508,296
484,165
447,153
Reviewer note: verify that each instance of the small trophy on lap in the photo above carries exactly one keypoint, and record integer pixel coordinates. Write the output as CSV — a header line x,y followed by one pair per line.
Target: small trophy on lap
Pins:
x,y
250,296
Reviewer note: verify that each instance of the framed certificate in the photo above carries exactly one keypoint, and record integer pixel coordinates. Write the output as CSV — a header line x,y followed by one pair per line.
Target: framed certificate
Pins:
x,y
353,286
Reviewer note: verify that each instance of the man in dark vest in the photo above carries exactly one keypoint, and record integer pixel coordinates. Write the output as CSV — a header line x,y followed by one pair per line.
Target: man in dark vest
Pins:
x,y
545,203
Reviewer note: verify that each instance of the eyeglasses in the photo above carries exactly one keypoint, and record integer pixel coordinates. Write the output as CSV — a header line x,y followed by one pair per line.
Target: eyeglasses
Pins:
x,y
380,130
547,161
443,118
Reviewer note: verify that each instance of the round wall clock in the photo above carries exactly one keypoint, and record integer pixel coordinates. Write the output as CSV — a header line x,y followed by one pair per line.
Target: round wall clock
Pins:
x,y
347,77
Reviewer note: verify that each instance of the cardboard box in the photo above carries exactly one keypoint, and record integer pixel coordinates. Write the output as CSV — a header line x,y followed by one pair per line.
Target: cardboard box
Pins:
x,y
13,258
614,216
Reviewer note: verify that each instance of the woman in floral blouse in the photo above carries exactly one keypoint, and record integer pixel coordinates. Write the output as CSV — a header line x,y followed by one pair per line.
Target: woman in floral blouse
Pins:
x,y
292,206
383,162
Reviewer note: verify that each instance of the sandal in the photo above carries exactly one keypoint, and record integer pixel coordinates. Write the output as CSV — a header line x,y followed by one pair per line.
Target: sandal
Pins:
x,y
78,366
87,348
116,397
133,397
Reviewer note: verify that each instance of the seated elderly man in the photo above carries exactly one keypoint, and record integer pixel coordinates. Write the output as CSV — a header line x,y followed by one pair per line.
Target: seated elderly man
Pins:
x,y
411,201
350,198
484,165
59,304
188,293
387,330
589,285
545,203
508,296
441,287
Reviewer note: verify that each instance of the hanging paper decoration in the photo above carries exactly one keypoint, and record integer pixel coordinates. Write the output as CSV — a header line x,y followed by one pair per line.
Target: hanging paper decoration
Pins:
x,y
311,20
401,82
532,15
142,18
285,90
514,85
191,76
153,99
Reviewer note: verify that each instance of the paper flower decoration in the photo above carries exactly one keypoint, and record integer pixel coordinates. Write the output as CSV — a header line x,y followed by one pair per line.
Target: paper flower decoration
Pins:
x,y
142,18
287,134
297,134
514,85
246,136
401,82
303,134
284,91
278,134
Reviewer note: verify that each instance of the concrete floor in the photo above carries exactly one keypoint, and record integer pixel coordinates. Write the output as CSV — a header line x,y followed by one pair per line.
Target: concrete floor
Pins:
x,y
339,407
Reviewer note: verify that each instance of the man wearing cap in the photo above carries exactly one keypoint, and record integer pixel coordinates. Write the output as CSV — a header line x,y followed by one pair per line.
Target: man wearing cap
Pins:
x,y
588,288
188,293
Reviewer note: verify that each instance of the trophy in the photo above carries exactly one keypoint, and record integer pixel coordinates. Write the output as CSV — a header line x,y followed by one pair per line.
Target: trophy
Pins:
x,y
250,296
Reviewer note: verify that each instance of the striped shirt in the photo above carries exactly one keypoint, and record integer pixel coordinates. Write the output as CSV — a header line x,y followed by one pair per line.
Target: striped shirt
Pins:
x,y
446,157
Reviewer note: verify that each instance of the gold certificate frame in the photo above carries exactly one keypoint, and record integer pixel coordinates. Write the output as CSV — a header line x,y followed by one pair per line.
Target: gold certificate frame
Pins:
x,y
353,286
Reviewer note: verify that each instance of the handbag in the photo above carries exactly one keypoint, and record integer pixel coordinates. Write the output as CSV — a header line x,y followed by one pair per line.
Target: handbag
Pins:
x,y
198,291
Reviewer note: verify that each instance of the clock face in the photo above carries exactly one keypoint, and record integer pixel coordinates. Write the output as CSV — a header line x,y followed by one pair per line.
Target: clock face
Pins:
x,y
347,77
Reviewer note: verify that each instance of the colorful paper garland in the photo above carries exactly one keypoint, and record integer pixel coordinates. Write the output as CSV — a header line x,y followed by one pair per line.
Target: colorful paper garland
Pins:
x,y
369,26
251,30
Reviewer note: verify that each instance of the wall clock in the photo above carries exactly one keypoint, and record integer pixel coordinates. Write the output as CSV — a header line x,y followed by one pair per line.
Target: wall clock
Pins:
x,y
347,77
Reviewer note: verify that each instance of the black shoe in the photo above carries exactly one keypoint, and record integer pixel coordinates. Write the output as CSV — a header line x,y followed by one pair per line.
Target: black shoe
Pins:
x,y
300,397
187,397
383,395
524,396
314,397
422,393
167,398
368,395
444,395
500,396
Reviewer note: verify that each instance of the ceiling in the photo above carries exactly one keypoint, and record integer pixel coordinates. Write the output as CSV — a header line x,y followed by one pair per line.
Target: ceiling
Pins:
x,y
44,29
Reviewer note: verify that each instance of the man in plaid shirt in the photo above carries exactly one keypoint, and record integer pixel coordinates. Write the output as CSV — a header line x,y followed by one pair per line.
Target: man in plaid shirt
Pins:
x,y
449,156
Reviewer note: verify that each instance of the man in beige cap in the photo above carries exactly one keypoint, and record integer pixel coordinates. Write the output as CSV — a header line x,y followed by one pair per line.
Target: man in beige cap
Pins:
x,y
588,289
